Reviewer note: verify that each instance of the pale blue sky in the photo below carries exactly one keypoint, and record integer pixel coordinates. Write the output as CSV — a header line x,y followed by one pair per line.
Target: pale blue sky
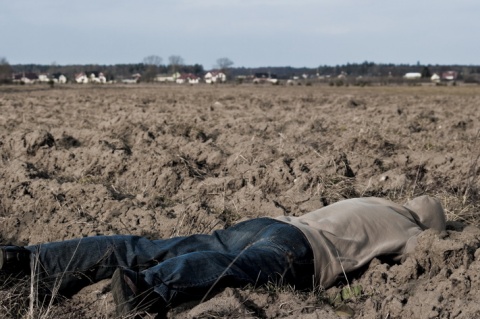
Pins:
x,y
250,32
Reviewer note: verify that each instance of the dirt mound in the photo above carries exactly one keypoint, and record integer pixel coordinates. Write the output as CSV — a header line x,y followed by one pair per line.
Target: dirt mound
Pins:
x,y
442,277
162,161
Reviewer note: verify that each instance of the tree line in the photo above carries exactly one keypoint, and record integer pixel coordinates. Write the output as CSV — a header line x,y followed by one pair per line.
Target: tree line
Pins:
x,y
153,65
150,67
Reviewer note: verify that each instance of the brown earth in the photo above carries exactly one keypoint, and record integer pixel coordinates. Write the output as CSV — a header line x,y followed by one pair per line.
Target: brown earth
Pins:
x,y
162,161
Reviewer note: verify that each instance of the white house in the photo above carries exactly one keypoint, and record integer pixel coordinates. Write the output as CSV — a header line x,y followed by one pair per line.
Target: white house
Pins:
x,y
62,79
133,80
43,78
449,75
94,77
27,78
262,77
214,77
102,78
59,78
97,77
412,75
188,78
166,77
435,78
81,78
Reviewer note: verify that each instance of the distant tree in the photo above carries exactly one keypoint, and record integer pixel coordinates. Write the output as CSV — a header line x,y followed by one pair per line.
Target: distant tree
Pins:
x,y
197,69
362,69
175,61
224,63
53,68
152,63
5,71
152,60
426,72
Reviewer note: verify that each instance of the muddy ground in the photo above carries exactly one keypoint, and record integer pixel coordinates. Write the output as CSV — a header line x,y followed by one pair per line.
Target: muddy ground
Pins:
x,y
162,161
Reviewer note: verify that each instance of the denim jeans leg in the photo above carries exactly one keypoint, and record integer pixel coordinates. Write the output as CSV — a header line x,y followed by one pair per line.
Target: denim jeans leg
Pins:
x,y
234,238
279,253
244,253
73,264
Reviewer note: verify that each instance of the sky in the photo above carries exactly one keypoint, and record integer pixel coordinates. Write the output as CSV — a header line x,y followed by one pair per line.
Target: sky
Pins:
x,y
251,33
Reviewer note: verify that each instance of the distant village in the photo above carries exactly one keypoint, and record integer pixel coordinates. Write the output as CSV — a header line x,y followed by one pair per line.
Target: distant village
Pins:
x,y
210,77
355,74
100,78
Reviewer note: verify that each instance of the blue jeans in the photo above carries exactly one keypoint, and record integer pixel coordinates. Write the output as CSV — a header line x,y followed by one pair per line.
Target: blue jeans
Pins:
x,y
184,268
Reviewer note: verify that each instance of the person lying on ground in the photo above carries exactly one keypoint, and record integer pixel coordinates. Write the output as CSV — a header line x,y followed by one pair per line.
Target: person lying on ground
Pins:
x,y
306,252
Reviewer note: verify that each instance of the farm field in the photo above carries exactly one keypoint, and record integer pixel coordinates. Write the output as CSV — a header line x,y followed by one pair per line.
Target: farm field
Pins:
x,y
162,161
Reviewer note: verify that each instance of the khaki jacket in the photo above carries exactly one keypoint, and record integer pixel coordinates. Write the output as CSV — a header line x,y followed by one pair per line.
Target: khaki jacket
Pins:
x,y
348,234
